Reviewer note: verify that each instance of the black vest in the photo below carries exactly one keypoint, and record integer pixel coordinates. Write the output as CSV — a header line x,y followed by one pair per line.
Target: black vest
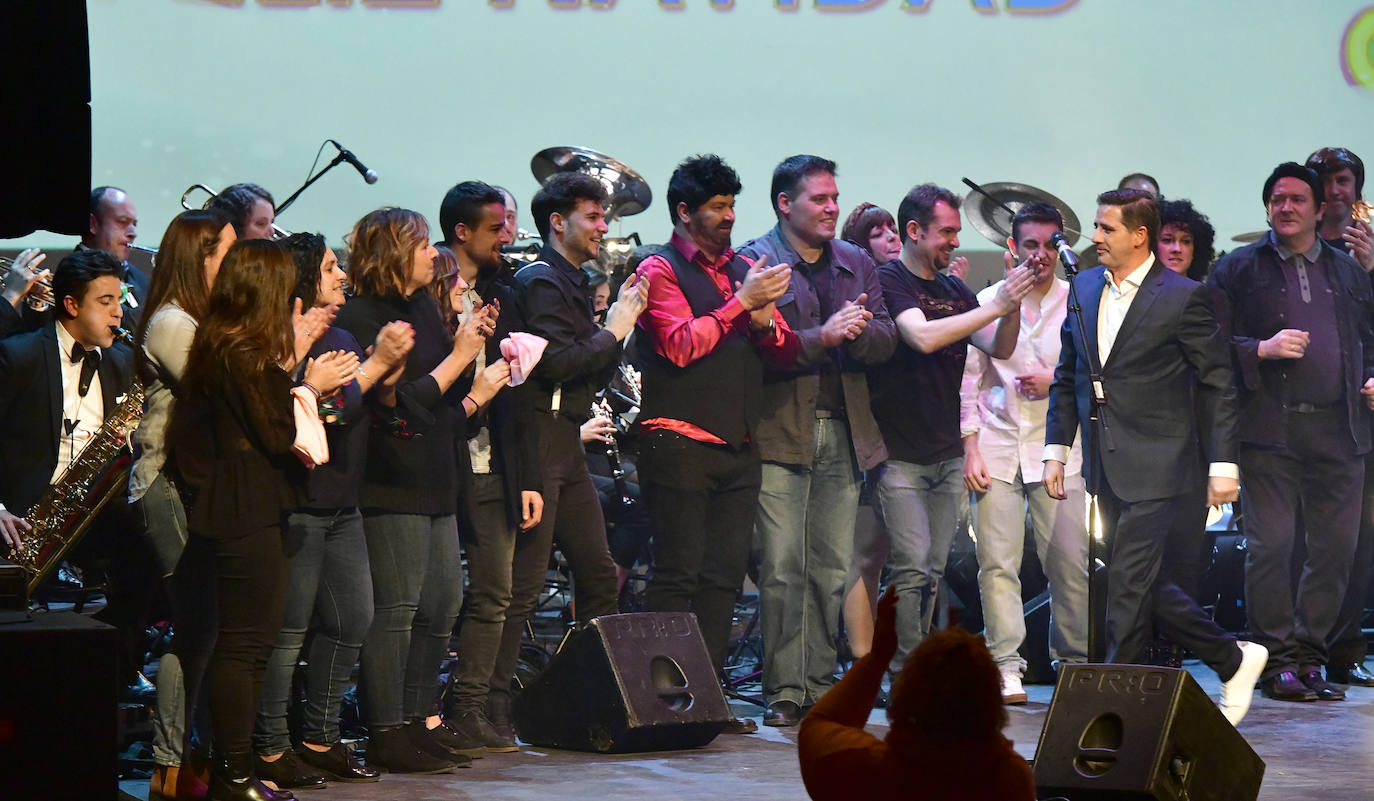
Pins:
x,y
722,392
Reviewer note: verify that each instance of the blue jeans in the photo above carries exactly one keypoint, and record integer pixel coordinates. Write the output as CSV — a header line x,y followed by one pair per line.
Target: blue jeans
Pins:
x,y
417,590
190,587
803,539
330,585
920,505
1061,541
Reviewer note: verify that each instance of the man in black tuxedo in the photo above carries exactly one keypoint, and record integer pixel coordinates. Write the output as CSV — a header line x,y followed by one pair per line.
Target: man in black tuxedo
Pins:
x,y
57,386
45,416
1156,337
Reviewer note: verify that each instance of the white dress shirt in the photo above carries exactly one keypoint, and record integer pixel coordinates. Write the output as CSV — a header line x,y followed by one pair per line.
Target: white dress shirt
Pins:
x,y
479,447
1010,426
81,417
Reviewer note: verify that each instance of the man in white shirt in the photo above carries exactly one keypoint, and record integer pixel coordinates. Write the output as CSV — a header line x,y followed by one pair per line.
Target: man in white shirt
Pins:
x,y
1151,384
1002,420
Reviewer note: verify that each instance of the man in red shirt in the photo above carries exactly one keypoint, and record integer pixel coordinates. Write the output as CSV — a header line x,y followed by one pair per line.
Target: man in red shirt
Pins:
x,y
710,323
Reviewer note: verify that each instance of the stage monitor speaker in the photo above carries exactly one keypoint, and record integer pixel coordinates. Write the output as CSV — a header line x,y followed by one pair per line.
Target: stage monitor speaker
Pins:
x,y
59,709
1123,732
636,682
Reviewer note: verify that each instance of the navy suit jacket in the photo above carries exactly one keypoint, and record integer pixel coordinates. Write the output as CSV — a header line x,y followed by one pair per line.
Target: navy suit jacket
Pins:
x,y
31,410
1168,383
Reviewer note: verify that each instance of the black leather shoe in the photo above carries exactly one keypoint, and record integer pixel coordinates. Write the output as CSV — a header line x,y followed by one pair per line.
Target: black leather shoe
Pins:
x,y
1287,687
288,773
393,750
1325,692
453,740
338,764
740,726
232,780
782,713
1354,673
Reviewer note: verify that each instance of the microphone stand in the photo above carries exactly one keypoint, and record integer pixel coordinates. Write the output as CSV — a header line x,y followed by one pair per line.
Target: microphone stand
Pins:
x,y
1097,564
339,159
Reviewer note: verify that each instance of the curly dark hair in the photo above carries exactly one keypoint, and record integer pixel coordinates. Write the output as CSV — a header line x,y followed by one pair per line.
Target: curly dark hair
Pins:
x,y
1181,214
698,179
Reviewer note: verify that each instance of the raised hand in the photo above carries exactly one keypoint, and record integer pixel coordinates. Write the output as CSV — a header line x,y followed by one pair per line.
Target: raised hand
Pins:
x,y
763,285
331,370
24,275
629,303
1019,282
393,343
489,381
958,267
1290,343
847,322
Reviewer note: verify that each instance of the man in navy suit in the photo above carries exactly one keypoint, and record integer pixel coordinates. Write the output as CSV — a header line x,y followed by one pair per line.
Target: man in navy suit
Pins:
x,y
1155,336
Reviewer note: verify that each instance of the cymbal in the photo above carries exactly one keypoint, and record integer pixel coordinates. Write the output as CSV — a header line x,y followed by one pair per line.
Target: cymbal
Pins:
x,y
629,193
988,216
1249,236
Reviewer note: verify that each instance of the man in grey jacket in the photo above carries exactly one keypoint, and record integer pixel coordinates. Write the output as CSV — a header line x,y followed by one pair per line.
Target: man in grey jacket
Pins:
x,y
816,436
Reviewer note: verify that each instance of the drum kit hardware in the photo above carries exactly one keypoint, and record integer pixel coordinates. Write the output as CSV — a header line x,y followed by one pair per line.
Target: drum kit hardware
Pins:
x,y
991,206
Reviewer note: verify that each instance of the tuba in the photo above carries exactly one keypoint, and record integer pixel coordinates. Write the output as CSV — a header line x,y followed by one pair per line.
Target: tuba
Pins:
x,y
62,515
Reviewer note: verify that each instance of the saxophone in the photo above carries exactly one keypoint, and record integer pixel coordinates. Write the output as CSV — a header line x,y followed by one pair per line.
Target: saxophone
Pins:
x,y
64,512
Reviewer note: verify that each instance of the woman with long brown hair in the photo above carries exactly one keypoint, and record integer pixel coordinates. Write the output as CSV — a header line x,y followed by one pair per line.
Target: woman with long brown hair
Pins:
x,y
231,437
330,595
188,260
410,491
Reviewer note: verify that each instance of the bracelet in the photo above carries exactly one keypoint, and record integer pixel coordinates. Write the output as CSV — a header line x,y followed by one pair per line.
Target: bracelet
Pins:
x,y
360,371
475,404
313,391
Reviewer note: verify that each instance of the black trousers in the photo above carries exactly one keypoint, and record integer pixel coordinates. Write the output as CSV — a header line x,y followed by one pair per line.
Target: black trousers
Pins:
x,y
251,575
702,500
1319,472
1348,644
1141,591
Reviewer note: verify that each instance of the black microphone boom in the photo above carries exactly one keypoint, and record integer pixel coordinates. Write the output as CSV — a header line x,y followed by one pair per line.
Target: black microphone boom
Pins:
x,y
344,153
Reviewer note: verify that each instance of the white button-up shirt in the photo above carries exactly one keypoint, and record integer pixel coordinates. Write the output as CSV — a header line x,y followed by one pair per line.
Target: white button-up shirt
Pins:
x,y
81,417
1010,426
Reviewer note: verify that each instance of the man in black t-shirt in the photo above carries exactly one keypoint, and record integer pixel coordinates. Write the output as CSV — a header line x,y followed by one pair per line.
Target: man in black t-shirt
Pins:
x,y
915,397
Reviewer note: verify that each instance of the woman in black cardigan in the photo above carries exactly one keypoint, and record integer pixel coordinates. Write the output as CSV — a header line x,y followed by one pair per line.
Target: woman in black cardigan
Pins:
x,y
410,492
231,438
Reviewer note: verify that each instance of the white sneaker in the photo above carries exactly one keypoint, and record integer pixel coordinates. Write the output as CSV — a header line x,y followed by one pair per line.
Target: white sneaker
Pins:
x,y
1237,693
1012,691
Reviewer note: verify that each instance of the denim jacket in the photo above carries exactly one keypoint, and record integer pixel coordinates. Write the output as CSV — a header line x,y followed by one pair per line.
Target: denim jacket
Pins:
x,y
787,432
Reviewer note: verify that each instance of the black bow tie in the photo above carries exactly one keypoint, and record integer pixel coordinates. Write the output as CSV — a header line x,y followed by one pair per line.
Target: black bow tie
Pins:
x,y
90,361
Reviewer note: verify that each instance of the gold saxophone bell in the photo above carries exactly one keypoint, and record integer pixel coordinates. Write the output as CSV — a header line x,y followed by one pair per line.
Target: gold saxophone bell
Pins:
x,y
277,231
40,298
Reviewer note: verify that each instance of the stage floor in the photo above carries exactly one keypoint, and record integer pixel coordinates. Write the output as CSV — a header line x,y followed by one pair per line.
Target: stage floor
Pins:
x,y
1311,751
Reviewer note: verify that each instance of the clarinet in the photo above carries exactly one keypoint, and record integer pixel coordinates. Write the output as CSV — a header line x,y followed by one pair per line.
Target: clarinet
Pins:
x,y
602,409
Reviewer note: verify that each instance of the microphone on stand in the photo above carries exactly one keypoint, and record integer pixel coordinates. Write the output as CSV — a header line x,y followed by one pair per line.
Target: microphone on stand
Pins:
x,y
369,176
1066,255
